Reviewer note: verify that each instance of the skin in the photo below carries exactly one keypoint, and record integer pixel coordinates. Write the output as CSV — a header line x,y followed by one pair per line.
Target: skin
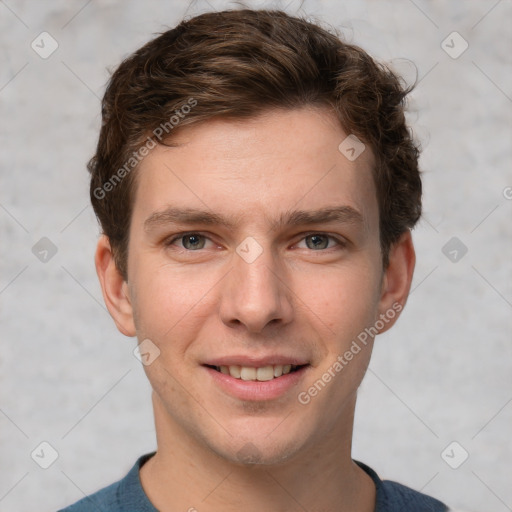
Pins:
x,y
202,300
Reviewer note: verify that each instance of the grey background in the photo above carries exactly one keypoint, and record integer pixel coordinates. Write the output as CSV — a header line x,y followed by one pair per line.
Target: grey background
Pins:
x,y
443,374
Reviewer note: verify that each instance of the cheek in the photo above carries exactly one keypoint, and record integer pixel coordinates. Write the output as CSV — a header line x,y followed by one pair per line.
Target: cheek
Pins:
x,y
345,301
167,300
173,303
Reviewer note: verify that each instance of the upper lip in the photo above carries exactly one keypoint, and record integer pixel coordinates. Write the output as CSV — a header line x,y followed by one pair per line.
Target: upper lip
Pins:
x,y
256,362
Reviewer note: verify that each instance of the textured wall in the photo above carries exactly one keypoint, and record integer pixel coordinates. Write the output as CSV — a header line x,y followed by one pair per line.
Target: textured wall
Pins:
x,y
442,375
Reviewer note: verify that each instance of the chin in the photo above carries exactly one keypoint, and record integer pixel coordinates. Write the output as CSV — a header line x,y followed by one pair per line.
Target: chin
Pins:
x,y
260,449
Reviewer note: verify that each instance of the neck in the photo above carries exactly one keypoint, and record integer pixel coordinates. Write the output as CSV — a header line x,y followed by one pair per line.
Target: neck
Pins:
x,y
187,475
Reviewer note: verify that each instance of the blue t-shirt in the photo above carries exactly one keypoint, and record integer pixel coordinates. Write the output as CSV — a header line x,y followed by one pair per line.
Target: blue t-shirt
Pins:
x,y
127,495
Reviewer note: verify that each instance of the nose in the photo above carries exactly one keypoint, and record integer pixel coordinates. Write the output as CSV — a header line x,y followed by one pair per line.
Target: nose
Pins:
x,y
256,294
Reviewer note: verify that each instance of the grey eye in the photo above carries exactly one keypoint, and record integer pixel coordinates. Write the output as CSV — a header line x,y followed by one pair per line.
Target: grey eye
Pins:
x,y
318,241
196,241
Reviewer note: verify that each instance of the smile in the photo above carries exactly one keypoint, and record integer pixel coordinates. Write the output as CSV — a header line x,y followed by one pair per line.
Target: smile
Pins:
x,y
261,374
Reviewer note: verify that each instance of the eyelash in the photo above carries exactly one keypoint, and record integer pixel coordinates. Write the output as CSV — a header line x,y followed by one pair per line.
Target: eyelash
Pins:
x,y
341,243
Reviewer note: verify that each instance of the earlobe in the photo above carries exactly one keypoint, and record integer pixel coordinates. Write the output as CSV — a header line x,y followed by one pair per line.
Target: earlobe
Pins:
x,y
397,279
114,288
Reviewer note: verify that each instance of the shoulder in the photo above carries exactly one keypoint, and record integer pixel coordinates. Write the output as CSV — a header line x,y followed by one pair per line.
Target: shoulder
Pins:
x,y
121,496
104,499
395,497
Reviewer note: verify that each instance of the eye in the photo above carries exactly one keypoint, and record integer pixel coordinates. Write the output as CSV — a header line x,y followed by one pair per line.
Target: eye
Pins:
x,y
190,241
193,241
320,241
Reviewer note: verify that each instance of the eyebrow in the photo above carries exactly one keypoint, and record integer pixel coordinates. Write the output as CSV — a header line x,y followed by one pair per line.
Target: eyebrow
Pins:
x,y
190,216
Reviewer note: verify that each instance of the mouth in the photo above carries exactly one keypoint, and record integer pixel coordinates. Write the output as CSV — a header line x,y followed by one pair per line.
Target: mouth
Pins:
x,y
260,374
257,379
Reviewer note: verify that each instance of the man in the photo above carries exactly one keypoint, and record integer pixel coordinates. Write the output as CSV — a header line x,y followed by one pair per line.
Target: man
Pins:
x,y
256,185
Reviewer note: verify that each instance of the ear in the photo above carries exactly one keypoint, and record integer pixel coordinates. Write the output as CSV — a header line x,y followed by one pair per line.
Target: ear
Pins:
x,y
114,287
397,279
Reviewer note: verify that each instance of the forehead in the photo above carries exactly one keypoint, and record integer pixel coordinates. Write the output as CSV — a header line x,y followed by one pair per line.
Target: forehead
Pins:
x,y
255,169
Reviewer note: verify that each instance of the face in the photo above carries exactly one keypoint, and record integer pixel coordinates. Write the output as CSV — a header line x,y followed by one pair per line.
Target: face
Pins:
x,y
254,264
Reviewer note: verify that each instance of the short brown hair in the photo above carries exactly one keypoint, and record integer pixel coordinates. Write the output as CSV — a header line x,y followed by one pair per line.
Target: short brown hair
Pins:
x,y
237,64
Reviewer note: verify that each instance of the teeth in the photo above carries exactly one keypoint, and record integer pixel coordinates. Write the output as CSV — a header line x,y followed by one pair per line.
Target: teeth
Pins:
x,y
247,373
235,371
265,373
262,374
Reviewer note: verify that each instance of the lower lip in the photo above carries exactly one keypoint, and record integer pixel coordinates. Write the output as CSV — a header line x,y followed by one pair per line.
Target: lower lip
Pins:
x,y
257,390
